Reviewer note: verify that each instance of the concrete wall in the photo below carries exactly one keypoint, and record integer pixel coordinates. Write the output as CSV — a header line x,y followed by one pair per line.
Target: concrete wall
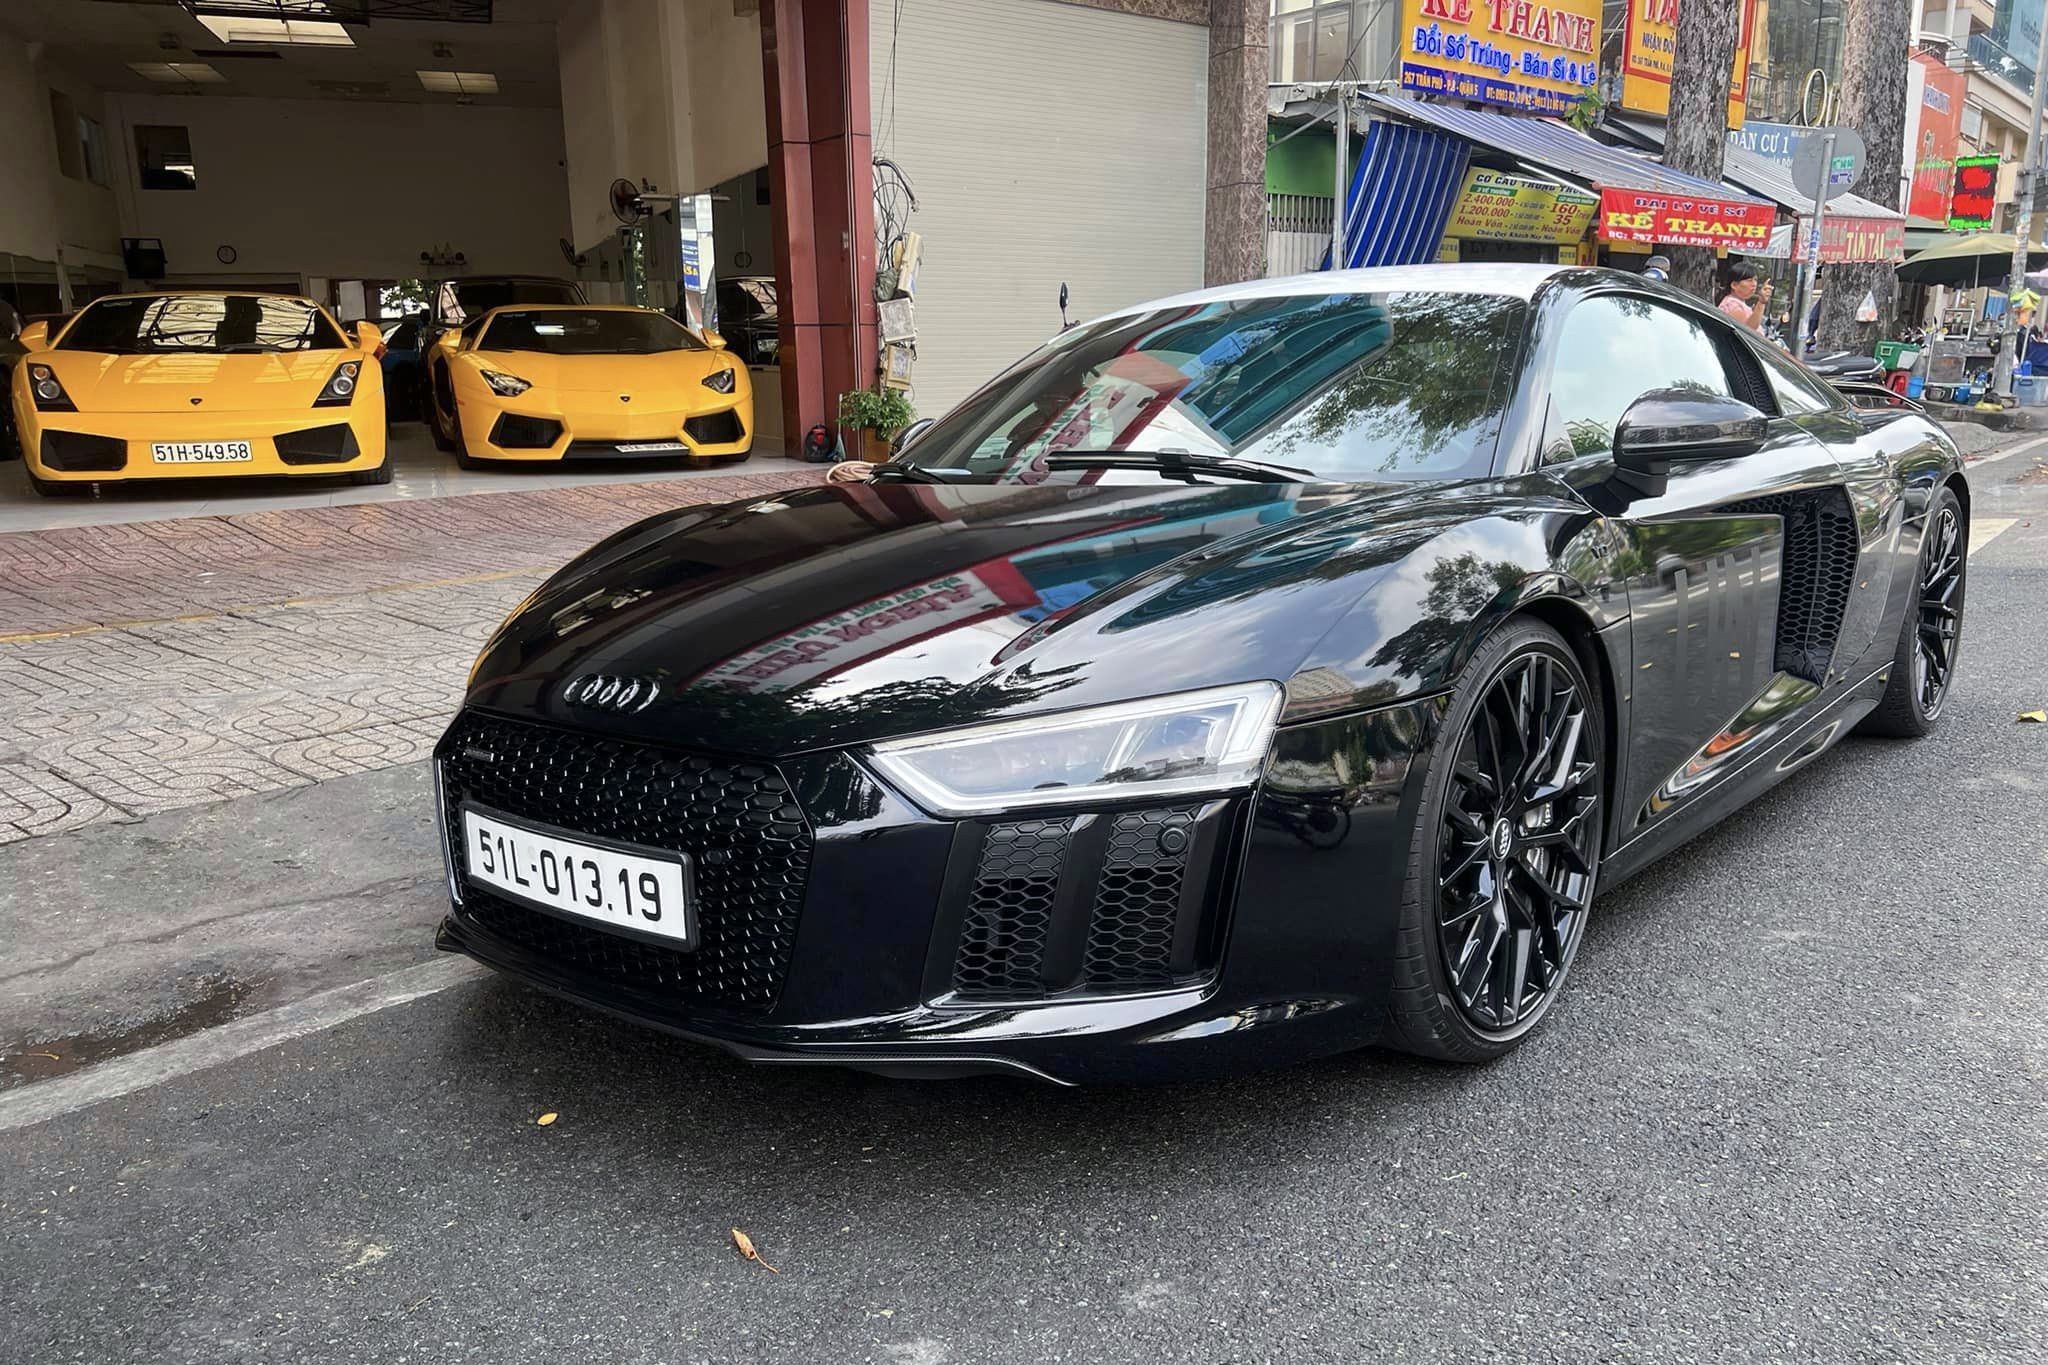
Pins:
x,y
666,91
323,188
42,210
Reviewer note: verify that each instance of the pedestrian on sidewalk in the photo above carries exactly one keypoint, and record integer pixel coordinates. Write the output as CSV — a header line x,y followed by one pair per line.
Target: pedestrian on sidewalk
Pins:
x,y
1747,297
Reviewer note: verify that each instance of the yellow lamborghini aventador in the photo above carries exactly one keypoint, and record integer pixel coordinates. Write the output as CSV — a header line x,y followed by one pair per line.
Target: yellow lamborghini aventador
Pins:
x,y
580,381
180,386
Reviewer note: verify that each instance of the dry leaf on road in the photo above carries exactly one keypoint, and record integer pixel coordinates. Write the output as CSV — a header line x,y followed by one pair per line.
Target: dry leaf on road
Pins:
x,y
747,1252
2038,717
545,1119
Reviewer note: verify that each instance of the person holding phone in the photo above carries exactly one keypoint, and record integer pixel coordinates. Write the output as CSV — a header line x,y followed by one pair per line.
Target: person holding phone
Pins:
x,y
1747,297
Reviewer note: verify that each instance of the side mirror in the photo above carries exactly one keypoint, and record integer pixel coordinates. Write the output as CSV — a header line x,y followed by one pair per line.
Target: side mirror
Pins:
x,y
35,337
715,340
909,434
369,337
1681,426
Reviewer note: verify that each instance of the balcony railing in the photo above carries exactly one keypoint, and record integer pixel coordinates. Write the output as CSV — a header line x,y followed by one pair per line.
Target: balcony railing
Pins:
x,y
2014,70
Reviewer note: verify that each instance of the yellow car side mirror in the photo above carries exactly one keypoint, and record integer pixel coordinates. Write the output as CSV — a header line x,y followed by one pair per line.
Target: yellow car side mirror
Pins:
x,y
369,337
35,337
715,340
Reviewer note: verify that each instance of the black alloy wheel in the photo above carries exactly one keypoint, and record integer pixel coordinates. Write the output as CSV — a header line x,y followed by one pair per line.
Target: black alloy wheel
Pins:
x,y
1940,620
1924,666
1506,853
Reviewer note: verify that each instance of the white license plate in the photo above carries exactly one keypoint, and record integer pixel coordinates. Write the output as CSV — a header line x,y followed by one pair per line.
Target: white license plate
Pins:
x,y
636,892
650,447
200,452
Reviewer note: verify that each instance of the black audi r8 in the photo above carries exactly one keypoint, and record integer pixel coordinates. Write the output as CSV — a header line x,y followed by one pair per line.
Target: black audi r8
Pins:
x,y
1238,678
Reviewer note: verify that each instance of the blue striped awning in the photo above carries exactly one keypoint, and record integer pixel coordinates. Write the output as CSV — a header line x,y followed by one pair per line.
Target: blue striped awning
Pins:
x,y
1401,195
1558,148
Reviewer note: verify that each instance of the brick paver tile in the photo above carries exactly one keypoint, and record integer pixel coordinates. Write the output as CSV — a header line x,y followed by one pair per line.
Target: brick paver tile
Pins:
x,y
35,801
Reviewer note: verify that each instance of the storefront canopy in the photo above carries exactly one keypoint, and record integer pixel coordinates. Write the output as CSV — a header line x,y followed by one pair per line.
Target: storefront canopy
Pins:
x,y
1968,261
1558,148
1762,176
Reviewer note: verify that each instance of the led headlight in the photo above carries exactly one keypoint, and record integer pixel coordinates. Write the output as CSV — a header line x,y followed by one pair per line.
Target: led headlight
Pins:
x,y
719,381
1209,741
505,385
341,385
48,393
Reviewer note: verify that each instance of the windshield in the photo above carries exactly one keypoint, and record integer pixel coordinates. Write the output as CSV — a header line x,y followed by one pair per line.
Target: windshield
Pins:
x,y
562,331
1348,386
462,299
188,323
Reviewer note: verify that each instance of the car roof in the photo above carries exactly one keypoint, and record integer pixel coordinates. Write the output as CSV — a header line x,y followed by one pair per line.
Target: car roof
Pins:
x,y
573,308
1515,280
202,294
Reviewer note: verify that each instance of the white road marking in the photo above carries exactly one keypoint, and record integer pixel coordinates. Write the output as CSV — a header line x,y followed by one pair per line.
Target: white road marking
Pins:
x,y
228,1042
2022,448
1984,530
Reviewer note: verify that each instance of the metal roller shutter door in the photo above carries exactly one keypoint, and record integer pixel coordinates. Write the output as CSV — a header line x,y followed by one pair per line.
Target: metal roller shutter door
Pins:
x,y
1046,142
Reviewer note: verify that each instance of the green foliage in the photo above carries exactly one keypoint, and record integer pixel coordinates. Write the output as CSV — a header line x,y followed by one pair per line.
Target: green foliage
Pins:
x,y
882,411
1585,115
404,296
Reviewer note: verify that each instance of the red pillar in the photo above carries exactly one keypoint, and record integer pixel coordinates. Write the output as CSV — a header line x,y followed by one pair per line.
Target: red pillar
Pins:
x,y
815,55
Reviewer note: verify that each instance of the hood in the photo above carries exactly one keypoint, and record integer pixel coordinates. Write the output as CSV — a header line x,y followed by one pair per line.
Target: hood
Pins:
x,y
603,373
845,614
255,382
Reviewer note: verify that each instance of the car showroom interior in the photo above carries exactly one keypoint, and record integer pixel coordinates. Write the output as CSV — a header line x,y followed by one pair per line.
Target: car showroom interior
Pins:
x,y
403,167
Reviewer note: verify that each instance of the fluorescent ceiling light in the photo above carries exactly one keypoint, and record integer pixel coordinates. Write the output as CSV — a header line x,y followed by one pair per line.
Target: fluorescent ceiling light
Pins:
x,y
299,32
459,82
178,73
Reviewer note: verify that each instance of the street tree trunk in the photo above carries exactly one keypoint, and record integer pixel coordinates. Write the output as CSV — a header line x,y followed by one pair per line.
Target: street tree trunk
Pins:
x,y
1696,129
1875,37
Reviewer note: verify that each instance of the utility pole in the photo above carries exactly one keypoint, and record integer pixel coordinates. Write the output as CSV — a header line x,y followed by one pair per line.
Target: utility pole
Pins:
x,y
1339,225
2023,221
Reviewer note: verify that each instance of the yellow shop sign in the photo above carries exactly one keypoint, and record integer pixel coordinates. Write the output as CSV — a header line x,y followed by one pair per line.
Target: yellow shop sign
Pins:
x,y
1649,41
1497,207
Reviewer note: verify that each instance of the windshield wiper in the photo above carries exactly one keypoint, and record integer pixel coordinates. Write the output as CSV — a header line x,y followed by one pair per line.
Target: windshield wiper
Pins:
x,y
892,471
1183,462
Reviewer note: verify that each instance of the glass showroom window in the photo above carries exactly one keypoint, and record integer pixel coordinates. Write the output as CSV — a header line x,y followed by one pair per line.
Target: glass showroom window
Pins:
x,y
1311,40
163,156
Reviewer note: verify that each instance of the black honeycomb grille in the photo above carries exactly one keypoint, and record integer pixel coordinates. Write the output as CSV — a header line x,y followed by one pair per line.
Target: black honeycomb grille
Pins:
x,y
1138,898
1009,914
1818,572
749,847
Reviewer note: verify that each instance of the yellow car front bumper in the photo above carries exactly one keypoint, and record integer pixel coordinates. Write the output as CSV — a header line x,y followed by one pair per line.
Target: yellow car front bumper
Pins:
x,y
89,447
571,427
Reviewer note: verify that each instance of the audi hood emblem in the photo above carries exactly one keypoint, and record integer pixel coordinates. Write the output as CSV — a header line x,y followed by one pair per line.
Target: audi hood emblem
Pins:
x,y
612,692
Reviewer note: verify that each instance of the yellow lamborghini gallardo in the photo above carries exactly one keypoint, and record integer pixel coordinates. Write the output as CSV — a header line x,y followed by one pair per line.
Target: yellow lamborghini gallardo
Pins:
x,y
198,385
587,381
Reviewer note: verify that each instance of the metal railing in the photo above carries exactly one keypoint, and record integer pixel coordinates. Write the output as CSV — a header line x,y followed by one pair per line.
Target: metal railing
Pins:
x,y
2012,68
1297,232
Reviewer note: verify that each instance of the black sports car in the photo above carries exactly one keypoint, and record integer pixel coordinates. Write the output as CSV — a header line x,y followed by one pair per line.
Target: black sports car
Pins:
x,y
1238,678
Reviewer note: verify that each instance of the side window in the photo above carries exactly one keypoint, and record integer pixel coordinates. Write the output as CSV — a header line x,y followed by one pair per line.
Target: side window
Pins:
x,y
1798,390
1614,349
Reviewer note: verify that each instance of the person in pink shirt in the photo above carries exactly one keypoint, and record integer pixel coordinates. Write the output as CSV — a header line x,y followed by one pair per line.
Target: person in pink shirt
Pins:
x,y
1747,297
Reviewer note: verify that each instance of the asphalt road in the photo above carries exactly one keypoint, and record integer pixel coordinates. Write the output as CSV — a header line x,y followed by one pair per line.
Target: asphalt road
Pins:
x,y
1791,1109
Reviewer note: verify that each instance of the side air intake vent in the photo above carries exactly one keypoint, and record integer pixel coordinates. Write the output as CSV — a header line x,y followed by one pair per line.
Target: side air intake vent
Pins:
x,y
1819,571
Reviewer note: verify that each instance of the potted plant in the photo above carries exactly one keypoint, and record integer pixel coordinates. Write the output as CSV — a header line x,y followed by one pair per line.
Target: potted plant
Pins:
x,y
877,414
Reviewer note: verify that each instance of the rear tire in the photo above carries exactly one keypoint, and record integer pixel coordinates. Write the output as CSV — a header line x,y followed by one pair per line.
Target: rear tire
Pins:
x,y
1505,851
1923,665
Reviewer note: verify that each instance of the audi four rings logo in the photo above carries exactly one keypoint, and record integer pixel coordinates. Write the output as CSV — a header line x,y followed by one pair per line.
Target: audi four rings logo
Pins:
x,y
610,692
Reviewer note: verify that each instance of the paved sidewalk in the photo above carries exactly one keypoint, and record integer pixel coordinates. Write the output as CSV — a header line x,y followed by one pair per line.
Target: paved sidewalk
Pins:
x,y
151,666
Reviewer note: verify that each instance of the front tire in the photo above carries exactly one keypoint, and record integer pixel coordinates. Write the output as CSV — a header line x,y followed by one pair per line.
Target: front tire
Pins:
x,y
381,474
442,439
1924,664
1505,851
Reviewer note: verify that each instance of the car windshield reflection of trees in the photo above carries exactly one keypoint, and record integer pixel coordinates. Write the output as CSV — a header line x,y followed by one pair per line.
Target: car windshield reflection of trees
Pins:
x,y
1404,385
205,324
